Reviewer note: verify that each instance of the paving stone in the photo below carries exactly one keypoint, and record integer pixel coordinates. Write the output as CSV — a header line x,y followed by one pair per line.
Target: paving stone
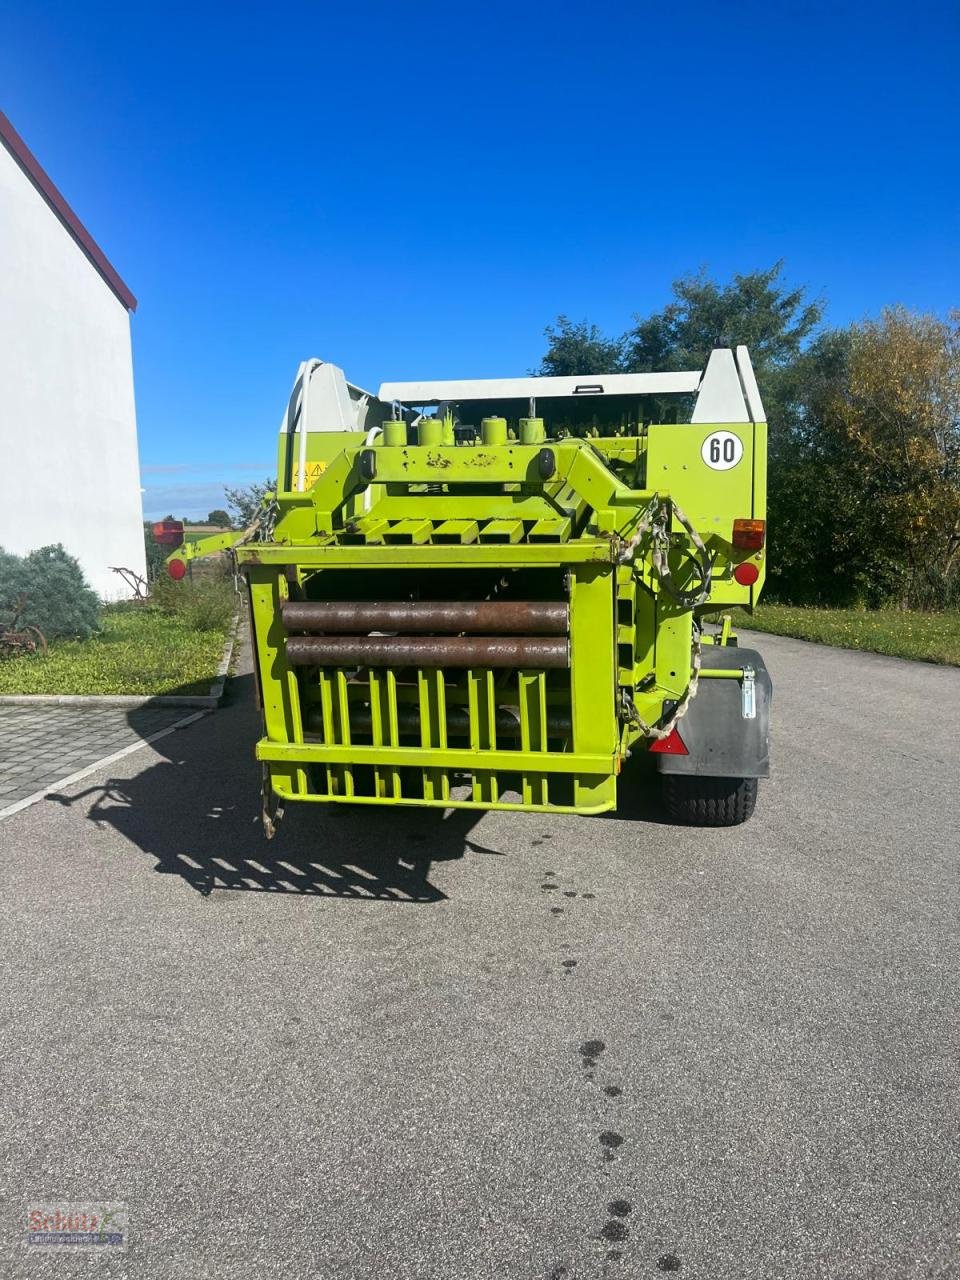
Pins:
x,y
39,746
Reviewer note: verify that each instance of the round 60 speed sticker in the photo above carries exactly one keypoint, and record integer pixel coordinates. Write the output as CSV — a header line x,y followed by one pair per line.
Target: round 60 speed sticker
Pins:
x,y
722,450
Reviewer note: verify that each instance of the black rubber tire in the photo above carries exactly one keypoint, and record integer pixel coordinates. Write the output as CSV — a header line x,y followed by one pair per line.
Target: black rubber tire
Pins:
x,y
708,802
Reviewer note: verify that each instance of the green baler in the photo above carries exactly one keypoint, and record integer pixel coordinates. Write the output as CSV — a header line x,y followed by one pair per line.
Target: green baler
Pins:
x,y
488,594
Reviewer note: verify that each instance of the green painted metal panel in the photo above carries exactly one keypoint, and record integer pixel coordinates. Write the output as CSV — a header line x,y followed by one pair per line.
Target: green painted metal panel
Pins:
x,y
501,531
568,519
460,532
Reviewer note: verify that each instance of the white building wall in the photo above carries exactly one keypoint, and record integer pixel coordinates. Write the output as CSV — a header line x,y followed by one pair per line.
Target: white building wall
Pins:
x,y
69,470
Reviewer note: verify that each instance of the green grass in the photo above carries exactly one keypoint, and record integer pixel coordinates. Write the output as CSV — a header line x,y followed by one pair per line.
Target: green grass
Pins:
x,y
140,650
900,633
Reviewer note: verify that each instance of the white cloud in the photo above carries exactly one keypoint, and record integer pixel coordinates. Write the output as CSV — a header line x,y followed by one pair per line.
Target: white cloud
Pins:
x,y
191,500
193,489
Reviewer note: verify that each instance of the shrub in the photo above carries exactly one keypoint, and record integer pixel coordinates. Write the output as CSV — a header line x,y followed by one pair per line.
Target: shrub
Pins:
x,y
204,604
59,601
933,589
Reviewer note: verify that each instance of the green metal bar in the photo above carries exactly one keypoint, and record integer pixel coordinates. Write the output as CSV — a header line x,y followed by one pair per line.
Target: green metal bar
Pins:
x,y
423,689
412,531
490,714
343,715
452,464
454,758
440,727
278,693
293,687
533,730
456,505
332,555
334,775
376,725
367,531
453,802
433,731
550,530
457,531
501,531
208,546
393,729
524,709
593,680
473,711
481,704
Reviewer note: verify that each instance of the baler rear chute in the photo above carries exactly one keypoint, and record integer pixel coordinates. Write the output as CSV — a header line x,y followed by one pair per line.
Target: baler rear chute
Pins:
x,y
489,593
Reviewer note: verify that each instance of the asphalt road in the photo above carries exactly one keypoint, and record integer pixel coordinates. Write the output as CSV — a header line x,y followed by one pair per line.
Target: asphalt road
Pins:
x,y
392,1046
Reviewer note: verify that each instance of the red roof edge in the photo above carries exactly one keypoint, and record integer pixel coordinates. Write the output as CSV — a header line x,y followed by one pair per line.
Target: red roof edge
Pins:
x,y
45,185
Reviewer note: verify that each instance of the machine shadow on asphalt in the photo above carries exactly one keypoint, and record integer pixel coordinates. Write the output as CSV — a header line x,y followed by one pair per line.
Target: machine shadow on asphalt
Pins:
x,y
196,813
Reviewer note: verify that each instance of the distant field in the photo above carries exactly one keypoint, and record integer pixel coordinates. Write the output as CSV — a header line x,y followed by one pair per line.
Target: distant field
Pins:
x,y
193,533
925,637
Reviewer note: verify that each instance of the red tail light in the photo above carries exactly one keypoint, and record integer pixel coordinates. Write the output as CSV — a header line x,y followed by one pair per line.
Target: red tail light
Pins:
x,y
671,745
746,574
176,569
169,533
749,535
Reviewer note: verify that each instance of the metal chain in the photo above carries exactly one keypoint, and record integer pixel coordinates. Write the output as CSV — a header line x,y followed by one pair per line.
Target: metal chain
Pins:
x,y
661,563
261,529
656,523
627,551
271,807
262,525
658,732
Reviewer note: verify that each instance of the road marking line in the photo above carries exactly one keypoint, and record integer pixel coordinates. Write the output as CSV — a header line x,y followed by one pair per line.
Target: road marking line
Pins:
x,y
27,801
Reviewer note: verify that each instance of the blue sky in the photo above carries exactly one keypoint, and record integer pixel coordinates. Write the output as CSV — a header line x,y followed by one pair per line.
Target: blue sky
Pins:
x,y
416,190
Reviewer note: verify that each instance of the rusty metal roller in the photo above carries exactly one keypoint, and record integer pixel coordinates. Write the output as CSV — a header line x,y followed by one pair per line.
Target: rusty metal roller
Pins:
x,y
428,651
478,617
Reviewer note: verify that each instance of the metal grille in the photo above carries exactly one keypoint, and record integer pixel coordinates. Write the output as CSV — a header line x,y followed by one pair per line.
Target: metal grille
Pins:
x,y
381,712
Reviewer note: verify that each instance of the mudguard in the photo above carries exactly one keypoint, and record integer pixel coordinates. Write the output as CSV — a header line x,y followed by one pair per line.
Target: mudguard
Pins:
x,y
726,729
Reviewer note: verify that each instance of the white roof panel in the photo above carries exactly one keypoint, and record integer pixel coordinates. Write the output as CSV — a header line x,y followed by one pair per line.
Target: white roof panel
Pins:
x,y
605,384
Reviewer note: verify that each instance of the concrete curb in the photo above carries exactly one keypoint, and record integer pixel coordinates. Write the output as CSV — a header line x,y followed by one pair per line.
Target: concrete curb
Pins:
x,y
205,701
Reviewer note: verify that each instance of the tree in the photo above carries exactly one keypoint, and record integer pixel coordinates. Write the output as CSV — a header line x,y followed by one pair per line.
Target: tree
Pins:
x,y
758,309
898,418
865,478
247,500
808,562
579,348
755,309
219,517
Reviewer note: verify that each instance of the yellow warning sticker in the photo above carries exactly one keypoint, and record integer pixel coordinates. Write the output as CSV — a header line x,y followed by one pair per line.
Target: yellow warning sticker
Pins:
x,y
314,471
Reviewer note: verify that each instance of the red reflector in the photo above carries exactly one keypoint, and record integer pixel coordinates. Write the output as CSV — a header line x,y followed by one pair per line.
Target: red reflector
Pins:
x,y
176,569
671,745
169,533
749,535
746,574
